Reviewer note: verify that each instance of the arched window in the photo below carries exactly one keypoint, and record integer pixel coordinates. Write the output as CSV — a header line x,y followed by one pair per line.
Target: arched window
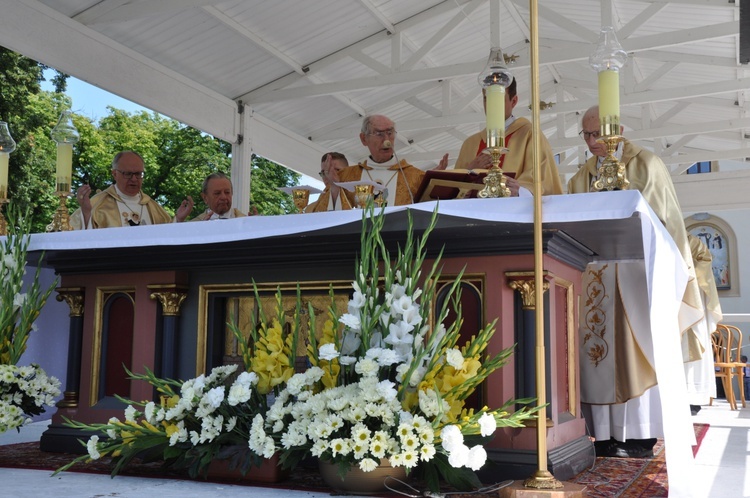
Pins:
x,y
722,243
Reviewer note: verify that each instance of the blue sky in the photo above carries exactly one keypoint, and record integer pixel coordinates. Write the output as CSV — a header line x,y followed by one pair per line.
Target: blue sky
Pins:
x,y
89,100
92,102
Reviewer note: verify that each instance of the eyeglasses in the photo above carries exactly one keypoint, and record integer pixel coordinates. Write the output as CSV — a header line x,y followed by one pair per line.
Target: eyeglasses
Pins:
x,y
131,174
383,133
589,134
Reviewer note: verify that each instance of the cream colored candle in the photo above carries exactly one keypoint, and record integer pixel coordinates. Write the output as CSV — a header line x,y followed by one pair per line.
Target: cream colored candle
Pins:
x,y
64,166
495,109
609,93
4,157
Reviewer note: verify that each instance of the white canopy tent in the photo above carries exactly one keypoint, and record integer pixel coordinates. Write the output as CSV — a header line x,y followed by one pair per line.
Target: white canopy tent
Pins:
x,y
290,80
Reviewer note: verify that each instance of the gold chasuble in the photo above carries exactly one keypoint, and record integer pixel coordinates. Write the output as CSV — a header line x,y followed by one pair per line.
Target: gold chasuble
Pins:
x,y
407,183
616,349
105,211
518,158
321,205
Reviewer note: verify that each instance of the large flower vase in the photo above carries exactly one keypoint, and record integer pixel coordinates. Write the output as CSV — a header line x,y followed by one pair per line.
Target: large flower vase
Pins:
x,y
269,471
358,482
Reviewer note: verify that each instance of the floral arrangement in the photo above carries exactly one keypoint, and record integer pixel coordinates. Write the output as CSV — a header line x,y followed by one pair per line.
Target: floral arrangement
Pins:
x,y
385,380
197,421
23,390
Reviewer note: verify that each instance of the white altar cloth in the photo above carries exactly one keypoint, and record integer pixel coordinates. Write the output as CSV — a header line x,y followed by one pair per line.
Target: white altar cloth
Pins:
x,y
666,274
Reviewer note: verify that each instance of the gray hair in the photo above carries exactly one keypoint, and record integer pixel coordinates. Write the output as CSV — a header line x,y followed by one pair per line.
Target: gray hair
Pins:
x,y
119,155
218,175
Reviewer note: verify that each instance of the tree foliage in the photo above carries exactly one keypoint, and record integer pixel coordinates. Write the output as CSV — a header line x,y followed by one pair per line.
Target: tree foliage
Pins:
x,y
177,157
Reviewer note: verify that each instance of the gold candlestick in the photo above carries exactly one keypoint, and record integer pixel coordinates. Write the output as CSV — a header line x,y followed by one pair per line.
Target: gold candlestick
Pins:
x,y
61,218
494,182
3,221
611,173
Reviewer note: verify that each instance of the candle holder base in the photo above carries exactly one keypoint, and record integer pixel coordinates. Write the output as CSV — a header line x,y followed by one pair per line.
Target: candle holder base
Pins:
x,y
61,218
494,182
3,221
611,174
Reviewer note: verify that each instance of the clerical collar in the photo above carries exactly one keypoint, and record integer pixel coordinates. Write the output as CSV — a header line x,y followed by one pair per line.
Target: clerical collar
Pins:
x,y
126,197
385,164
509,121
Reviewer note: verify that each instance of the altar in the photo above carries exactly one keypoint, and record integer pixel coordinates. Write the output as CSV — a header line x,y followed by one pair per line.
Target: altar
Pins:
x,y
160,296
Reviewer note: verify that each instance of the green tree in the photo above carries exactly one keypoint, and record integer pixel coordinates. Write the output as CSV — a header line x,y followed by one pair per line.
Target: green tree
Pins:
x,y
177,157
264,194
31,114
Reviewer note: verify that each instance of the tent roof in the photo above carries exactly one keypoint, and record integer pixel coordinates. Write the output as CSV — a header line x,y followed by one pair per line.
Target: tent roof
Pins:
x,y
306,72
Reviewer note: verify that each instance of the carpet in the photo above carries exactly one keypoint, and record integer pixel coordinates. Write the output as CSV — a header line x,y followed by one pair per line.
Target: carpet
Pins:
x,y
633,477
608,478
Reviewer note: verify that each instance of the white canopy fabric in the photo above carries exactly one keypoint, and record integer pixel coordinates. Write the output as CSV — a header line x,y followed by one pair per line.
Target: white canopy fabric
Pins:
x,y
291,79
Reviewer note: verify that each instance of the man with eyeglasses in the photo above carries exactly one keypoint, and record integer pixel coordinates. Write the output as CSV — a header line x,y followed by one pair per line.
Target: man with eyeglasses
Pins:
x,y
123,203
399,179
518,159
619,393
330,199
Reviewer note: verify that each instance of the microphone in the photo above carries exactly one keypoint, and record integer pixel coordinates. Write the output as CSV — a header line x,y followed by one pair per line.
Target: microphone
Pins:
x,y
387,144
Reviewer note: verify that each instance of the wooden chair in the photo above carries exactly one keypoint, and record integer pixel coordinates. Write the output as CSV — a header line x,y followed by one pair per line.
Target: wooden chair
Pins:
x,y
727,343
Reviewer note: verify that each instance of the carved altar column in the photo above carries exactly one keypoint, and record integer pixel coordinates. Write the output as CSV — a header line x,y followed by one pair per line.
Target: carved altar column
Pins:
x,y
167,334
523,282
74,296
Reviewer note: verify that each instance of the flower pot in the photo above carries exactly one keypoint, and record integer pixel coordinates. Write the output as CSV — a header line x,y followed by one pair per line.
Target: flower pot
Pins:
x,y
358,482
269,471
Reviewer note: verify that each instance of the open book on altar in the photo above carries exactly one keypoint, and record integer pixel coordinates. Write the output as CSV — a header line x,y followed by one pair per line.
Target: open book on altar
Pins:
x,y
439,185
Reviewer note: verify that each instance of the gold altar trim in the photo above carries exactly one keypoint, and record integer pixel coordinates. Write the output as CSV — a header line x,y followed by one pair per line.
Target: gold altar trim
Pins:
x,y
170,296
527,292
102,296
236,291
74,297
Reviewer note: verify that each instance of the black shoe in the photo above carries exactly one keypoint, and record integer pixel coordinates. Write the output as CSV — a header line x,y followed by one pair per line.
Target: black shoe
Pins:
x,y
694,409
635,448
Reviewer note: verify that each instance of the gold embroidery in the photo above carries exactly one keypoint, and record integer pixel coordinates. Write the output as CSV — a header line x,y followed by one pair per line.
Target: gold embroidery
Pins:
x,y
595,318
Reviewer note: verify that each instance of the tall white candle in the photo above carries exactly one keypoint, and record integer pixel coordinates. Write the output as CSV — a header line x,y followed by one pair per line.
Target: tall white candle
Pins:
x,y
64,166
495,114
4,157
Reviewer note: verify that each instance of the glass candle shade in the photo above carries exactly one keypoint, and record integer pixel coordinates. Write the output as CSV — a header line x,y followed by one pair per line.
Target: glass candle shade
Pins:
x,y
7,145
65,134
607,60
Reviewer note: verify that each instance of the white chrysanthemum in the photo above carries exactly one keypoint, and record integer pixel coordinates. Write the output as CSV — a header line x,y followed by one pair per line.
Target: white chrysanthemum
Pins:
x,y
367,367
387,390
426,452
319,447
458,456
238,393
340,446
410,458
451,437
91,447
487,424
476,458
454,358
367,465
328,352
214,396
349,360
